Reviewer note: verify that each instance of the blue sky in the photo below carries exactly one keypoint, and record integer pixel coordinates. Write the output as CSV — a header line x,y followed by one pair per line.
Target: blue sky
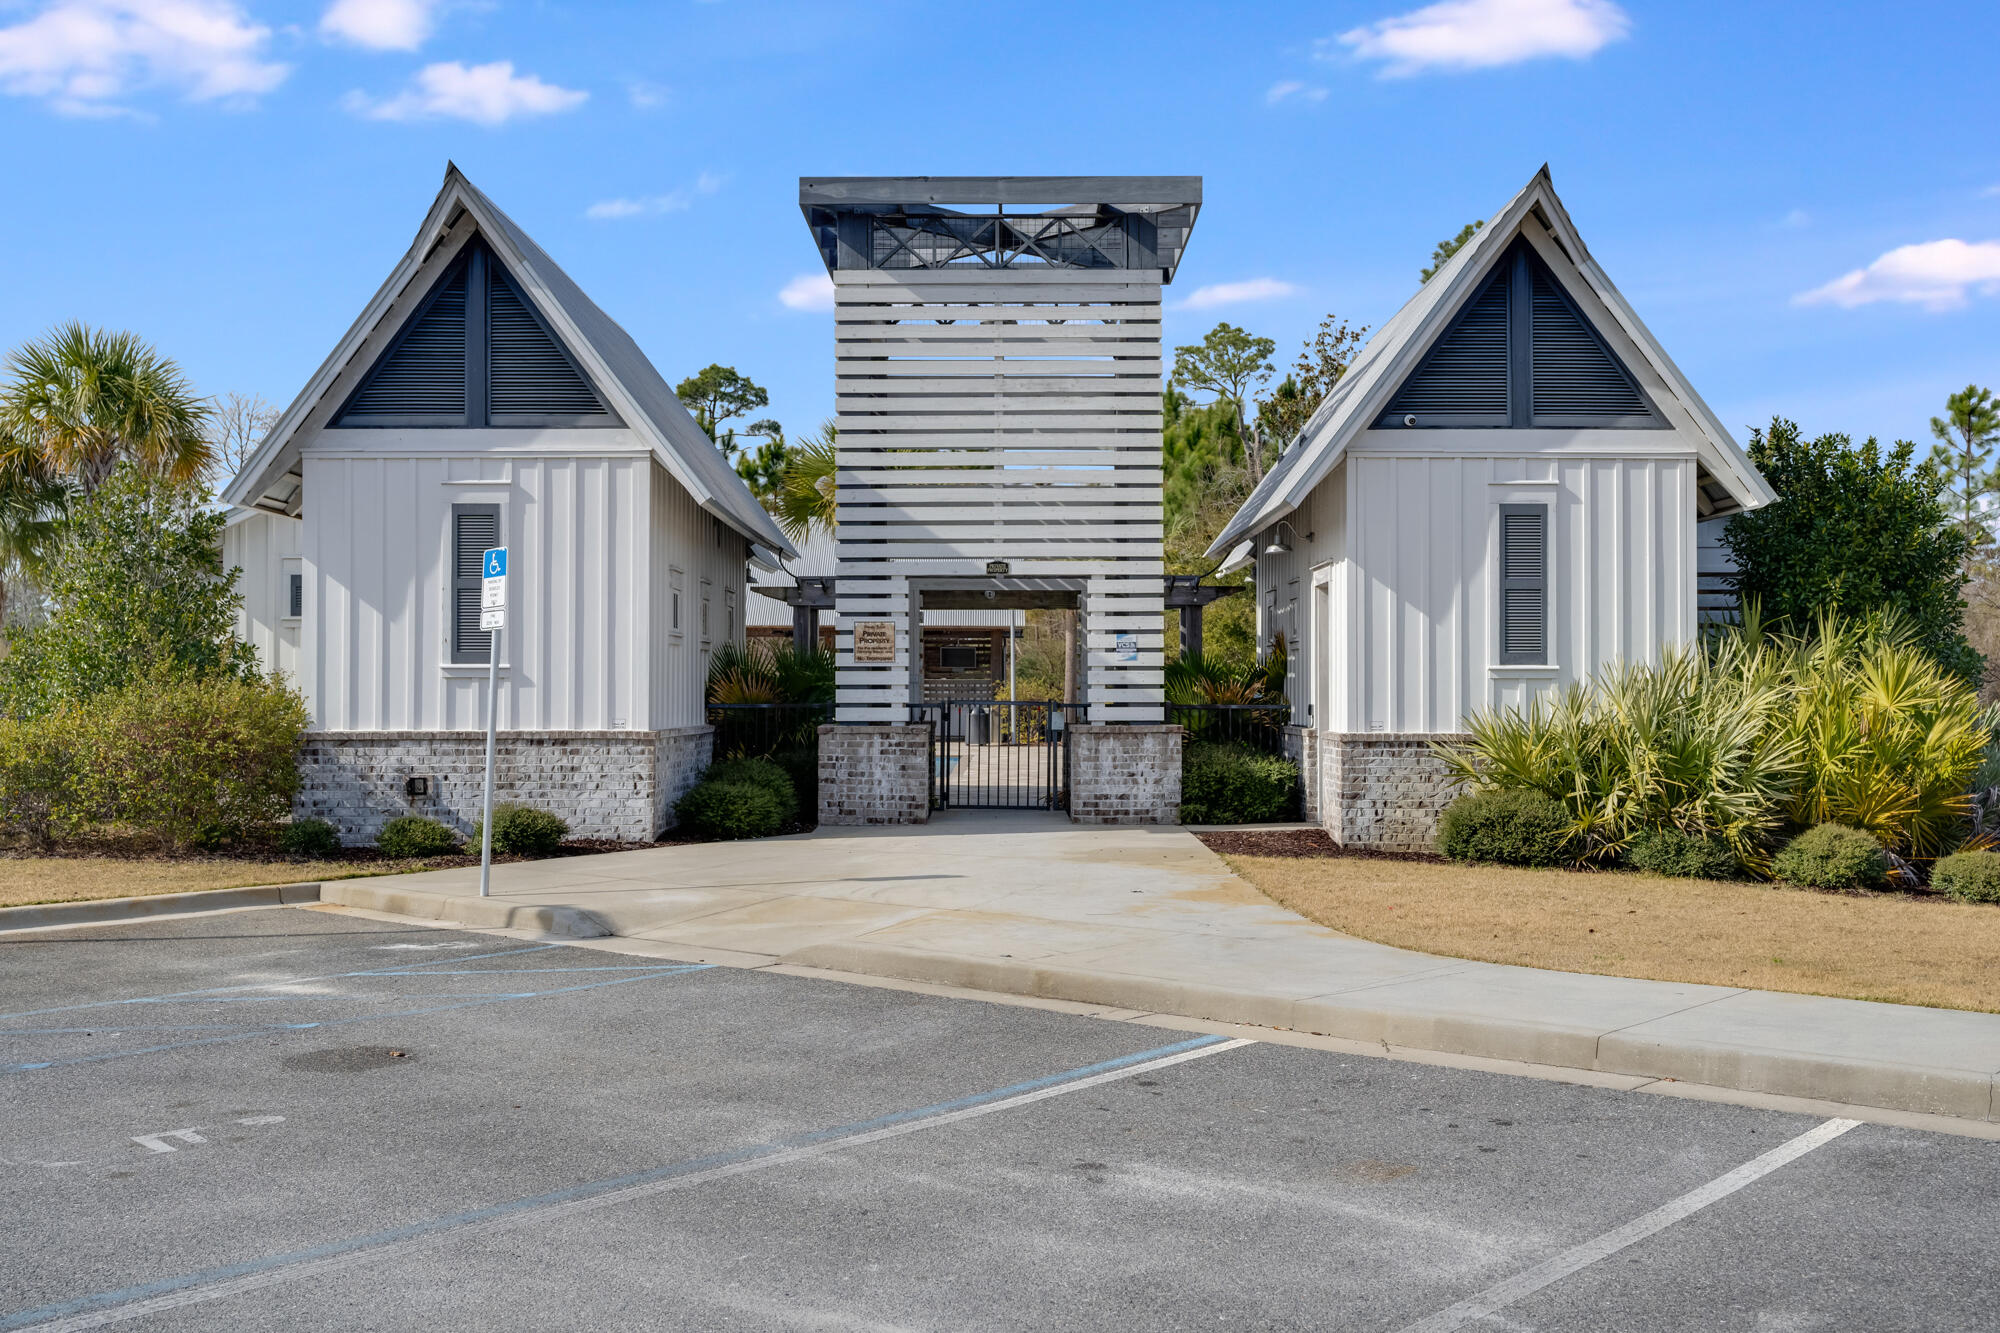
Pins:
x,y
1802,200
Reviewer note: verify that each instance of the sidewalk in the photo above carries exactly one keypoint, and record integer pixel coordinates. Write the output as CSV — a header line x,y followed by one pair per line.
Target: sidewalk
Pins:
x,y
1148,919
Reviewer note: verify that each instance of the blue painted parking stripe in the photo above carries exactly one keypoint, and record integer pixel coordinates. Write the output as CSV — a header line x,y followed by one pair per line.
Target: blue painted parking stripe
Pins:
x,y
224,991
110,1307
270,1028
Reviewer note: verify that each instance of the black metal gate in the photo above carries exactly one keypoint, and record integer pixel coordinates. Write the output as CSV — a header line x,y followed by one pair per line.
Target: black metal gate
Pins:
x,y
1000,754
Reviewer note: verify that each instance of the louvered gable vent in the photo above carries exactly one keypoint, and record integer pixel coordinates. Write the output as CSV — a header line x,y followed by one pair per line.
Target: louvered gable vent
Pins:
x,y
1521,354
1575,374
421,379
528,373
524,378
1463,382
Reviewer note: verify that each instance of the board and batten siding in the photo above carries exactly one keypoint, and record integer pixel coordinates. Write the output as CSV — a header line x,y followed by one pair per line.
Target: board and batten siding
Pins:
x,y
1000,415
693,551
1411,568
264,548
579,521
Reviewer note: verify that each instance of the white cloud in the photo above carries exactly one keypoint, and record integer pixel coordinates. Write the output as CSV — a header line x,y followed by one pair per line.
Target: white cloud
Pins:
x,y
385,25
1479,34
85,55
1936,275
653,205
1236,293
484,94
1292,88
808,291
1990,192
647,96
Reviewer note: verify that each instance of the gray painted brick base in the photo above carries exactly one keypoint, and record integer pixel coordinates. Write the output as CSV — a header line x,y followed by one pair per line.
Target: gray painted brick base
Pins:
x,y
1381,789
874,774
1125,774
606,784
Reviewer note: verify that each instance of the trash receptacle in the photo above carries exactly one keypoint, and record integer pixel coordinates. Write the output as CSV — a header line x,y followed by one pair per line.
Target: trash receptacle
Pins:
x,y
979,728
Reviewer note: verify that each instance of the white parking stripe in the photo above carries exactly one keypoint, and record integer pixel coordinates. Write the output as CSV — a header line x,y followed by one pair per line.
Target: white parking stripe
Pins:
x,y
1579,1257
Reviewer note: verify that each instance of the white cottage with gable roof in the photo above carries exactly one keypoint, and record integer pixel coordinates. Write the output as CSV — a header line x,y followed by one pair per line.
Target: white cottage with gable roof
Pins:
x,y
1500,496
482,399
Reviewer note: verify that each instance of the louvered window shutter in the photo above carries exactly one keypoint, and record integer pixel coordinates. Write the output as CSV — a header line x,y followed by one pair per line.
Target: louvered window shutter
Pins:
x,y
1464,381
1577,381
475,530
1524,585
527,372
420,380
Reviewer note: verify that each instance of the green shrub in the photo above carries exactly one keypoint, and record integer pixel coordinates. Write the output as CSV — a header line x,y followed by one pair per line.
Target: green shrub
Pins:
x,y
764,773
1233,784
194,762
1514,828
39,767
1970,877
1832,856
522,830
802,767
1669,851
413,835
308,837
728,810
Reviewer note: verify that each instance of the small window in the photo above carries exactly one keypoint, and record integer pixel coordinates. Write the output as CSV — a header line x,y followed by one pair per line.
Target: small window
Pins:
x,y
729,613
475,529
1524,585
675,581
704,611
295,595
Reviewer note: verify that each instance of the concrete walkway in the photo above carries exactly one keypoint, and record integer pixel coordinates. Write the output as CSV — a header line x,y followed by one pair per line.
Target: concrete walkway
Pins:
x,y
1150,920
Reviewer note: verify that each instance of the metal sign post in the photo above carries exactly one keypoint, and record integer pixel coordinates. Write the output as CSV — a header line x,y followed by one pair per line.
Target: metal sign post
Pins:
x,y
492,619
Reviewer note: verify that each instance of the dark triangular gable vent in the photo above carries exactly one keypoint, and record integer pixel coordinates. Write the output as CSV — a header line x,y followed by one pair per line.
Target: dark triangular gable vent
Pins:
x,y
420,380
1463,382
524,378
1521,354
528,373
1577,381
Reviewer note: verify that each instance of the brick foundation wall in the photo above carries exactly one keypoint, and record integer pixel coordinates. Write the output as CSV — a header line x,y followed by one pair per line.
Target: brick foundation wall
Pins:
x,y
1381,789
1302,748
874,774
1125,775
606,784
678,759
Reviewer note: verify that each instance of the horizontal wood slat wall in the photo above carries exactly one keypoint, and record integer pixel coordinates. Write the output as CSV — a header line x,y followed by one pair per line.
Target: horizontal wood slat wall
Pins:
x,y
1001,415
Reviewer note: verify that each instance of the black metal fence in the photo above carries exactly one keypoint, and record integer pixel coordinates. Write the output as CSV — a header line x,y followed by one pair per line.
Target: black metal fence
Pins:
x,y
1001,754
1258,726
746,731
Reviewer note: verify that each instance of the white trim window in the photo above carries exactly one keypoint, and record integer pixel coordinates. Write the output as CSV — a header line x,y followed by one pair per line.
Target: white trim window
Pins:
x,y
676,584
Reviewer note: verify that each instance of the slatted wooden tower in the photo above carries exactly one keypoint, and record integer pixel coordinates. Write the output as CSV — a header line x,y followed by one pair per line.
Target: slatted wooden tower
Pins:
x,y
998,375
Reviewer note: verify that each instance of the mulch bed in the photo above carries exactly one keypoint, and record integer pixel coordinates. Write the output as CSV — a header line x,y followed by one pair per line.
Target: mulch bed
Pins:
x,y
1299,842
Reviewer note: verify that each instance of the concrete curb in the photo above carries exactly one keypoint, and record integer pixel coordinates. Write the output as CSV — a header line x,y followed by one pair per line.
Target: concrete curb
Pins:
x,y
110,911
570,923
1953,1092
1964,1093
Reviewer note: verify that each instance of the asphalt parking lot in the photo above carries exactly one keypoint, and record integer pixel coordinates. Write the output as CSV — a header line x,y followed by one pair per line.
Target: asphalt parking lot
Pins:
x,y
292,1119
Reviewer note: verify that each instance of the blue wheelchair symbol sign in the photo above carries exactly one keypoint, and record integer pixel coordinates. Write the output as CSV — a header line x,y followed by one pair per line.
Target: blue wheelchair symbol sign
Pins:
x,y
496,563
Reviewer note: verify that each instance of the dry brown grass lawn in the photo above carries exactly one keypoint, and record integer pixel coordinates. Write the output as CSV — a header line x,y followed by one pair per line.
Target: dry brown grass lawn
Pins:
x,y
1904,949
69,879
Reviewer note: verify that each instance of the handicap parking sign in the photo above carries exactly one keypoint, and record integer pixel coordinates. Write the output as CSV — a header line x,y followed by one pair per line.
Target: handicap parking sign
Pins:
x,y
496,563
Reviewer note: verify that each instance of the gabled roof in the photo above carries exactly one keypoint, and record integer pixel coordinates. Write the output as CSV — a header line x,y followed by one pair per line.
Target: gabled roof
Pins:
x,y
1380,368
608,355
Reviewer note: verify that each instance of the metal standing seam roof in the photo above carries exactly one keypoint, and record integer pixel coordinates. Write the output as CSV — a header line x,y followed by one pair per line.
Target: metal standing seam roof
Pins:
x,y
607,350
1380,367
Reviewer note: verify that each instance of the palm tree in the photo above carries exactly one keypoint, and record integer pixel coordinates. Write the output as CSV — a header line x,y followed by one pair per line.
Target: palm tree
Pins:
x,y
81,401
805,498
31,502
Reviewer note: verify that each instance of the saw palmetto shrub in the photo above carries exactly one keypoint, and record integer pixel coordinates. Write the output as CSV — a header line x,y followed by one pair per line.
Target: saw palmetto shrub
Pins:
x,y
1746,738
1234,784
1670,851
522,830
1970,877
1832,856
1504,827
413,835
